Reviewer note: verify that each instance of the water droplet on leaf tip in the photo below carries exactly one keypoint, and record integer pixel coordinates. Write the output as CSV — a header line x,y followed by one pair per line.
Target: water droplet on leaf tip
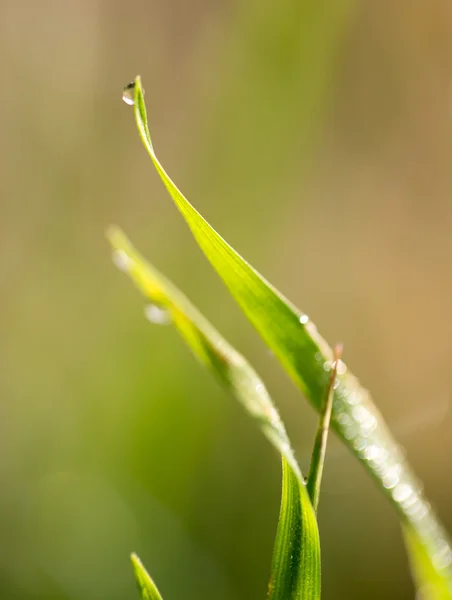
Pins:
x,y
128,93
120,260
157,315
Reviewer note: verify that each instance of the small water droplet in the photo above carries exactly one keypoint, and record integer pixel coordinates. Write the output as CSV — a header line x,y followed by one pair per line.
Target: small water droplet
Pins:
x,y
344,419
353,398
391,476
402,492
359,443
157,315
443,557
369,426
360,413
120,260
376,455
304,319
350,432
418,511
128,93
338,405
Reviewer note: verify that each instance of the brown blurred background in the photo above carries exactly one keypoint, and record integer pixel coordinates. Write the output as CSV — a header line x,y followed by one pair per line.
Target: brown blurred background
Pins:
x,y
316,136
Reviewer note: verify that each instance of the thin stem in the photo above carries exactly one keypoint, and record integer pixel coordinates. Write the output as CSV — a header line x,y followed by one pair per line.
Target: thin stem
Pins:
x,y
314,480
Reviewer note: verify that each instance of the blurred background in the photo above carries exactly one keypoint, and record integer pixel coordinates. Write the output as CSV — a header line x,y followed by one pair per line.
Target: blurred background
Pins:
x,y
316,136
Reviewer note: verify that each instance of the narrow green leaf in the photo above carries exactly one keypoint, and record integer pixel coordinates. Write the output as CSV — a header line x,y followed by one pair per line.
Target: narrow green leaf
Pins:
x,y
307,358
148,589
318,454
297,536
292,577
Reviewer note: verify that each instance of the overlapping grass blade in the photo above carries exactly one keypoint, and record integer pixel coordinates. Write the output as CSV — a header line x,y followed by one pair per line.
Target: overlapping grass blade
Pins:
x,y
295,573
148,589
307,358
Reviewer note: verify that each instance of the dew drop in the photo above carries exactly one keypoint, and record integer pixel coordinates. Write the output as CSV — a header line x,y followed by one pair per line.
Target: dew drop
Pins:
x,y
443,557
353,399
360,413
157,315
344,419
402,492
128,93
359,443
121,260
376,454
391,476
369,426
350,432
418,511
304,319
338,405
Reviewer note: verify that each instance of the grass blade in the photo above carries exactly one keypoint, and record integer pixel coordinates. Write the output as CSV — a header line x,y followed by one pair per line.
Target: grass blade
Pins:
x,y
148,589
307,357
293,578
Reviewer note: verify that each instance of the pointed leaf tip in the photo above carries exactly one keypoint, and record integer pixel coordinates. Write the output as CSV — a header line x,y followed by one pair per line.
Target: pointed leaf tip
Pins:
x,y
148,589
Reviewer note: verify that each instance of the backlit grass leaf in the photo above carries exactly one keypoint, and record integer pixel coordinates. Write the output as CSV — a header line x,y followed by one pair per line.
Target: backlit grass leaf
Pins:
x,y
307,358
148,589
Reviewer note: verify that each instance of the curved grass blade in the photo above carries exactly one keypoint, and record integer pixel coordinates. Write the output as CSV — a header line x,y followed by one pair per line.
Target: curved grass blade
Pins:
x,y
296,561
148,589
307,358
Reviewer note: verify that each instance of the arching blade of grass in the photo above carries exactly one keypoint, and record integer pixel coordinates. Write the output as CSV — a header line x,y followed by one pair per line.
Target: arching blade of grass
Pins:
x,y
148,589
295,573
307,357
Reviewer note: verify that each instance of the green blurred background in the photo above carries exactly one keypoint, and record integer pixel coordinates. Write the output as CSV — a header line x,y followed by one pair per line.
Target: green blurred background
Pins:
x,y
316,136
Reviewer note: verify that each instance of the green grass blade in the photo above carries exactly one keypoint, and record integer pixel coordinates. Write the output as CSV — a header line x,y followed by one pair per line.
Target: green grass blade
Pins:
x,y
292,579
307,357
148,589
